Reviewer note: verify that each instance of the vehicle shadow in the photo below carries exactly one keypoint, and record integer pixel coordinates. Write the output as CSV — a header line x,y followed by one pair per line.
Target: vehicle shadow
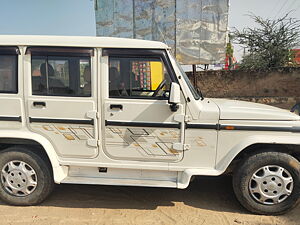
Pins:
x,y
208,193
211,193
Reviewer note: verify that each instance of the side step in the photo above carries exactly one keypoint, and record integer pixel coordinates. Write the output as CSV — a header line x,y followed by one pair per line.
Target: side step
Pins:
x,y
120,182
122,177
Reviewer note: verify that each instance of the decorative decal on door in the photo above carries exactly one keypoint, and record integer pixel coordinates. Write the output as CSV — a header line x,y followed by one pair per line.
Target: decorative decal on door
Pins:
x,y
142,142
69,132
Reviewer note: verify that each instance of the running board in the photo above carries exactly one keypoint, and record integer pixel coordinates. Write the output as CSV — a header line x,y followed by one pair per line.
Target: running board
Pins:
x,y
120,182
117,176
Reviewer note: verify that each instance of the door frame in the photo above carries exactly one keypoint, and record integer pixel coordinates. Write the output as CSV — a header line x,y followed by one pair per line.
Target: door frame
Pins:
x,y
104,95
90,117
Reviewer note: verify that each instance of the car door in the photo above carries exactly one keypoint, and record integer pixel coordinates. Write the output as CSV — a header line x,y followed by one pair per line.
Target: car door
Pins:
x,y
61,98
10,89
139,123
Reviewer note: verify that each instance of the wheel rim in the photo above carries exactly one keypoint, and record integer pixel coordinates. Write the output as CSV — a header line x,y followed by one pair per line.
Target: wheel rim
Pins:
x,y
18,178
271,185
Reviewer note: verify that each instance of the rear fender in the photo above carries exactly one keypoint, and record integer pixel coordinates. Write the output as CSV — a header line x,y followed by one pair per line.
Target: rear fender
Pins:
x,y
59,172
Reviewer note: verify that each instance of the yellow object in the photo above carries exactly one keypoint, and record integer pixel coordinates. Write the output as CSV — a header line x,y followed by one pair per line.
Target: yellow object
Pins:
x,y
69,137
157,74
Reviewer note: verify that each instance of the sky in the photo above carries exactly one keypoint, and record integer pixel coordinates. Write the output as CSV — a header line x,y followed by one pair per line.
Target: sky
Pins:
x,y
47,17
76,17
240,9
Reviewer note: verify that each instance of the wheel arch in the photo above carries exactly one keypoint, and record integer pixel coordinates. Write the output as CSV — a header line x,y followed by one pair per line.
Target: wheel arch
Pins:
x,y
37,143
252,145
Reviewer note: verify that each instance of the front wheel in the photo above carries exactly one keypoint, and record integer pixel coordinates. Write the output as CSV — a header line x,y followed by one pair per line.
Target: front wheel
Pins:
x,y
268,183
25,178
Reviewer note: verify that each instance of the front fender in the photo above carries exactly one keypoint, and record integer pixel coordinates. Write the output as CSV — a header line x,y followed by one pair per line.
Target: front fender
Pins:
x,y
59,172
223,163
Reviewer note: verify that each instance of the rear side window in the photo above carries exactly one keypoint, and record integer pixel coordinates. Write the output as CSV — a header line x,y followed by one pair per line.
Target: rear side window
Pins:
x,y
61,76
8,73
61,71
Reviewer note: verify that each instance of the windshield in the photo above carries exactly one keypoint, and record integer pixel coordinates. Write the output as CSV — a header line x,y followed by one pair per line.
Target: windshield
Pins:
x,y
187,80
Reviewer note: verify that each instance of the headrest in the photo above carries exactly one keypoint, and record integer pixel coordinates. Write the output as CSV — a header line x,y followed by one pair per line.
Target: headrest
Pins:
x,y
43,69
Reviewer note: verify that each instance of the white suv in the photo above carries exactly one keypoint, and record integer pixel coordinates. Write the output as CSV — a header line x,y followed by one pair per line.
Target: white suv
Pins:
x,y
110,111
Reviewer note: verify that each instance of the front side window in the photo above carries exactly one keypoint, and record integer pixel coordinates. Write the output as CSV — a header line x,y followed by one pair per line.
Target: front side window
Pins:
x,y
8,73
61,76
138,78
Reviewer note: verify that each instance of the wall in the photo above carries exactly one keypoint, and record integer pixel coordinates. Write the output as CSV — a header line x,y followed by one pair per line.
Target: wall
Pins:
x,y
278,87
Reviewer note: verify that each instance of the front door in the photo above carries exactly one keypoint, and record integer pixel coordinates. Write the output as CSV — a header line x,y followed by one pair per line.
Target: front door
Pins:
x,y
139,124
61,98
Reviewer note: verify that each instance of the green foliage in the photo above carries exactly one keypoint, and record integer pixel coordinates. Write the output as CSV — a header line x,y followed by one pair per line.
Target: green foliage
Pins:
x,y
253,61
229,50
269,42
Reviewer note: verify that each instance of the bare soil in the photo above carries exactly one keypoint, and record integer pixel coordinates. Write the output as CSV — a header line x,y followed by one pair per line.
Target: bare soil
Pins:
x,y
207,201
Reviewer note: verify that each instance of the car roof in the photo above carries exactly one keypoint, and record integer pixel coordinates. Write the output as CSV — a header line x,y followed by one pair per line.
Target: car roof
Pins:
x,y
78,41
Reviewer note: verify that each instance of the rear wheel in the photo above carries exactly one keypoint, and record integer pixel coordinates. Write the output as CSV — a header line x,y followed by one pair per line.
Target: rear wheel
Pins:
x,y
268,183
25,178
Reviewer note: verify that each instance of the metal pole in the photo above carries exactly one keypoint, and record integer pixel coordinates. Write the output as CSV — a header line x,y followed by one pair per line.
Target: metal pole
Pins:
x,y
194,75
133,19
175,24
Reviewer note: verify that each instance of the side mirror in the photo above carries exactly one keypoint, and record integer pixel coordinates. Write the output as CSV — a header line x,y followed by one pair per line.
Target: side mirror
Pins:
x,y
174,97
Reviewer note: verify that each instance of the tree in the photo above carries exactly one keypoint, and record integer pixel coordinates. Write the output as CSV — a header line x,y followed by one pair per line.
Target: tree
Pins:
x,y
269,43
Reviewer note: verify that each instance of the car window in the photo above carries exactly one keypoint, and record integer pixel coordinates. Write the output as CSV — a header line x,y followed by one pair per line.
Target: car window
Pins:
x,y
61,76
138,78
8,73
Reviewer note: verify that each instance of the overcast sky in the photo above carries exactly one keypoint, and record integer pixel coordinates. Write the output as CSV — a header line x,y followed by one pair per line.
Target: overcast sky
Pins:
x,y
266,8
76,17
239,9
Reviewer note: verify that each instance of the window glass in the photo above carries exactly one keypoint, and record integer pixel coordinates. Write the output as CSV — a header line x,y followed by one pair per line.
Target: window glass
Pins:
x,y
138,77
8,74
187,80
58,73
85,76
61,76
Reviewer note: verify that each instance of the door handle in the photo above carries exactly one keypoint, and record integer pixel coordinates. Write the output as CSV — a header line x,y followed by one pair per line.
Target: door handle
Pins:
x,y
113,106
39,104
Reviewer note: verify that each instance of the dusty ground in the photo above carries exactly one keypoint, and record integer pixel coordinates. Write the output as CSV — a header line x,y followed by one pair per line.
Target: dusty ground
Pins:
x,y
207,201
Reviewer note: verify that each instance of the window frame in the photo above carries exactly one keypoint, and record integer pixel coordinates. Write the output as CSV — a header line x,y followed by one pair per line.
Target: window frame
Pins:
x,y
59,51
50,53
12,51
142,54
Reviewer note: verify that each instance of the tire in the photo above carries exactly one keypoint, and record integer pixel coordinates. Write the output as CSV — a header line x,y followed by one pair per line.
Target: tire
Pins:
x,y
25,178
262,183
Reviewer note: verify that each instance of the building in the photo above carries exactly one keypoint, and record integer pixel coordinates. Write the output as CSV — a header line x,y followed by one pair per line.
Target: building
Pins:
x,y
297,55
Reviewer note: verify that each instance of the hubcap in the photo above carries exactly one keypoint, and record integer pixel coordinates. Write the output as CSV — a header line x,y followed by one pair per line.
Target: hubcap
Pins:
x,y
271,185
18,178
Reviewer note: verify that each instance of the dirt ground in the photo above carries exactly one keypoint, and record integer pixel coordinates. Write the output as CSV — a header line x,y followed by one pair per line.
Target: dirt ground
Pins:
x,y
207,201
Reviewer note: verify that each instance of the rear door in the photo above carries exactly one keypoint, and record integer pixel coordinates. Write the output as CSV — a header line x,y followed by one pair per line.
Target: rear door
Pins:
x,y
11,96
61,98
139,124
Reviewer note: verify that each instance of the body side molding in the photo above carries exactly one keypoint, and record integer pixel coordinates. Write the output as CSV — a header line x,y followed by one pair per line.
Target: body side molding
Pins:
x,y
141,124
47,120
245,128
11,118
